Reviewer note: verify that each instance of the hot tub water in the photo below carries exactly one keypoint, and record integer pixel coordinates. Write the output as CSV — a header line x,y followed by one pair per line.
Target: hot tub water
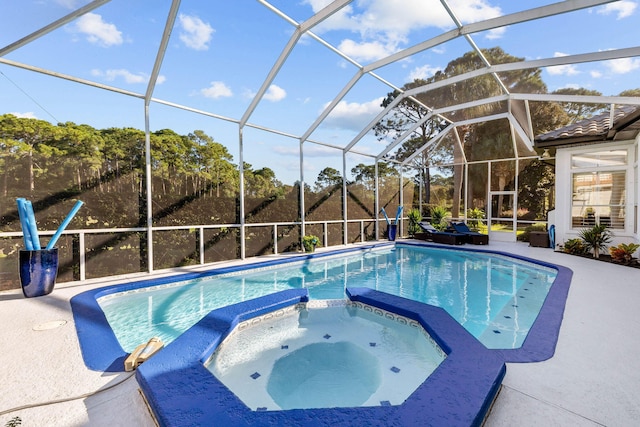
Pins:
x,y
325,354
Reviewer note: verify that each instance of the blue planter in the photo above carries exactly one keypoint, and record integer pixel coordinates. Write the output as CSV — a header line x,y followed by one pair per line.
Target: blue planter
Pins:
x,y
38,271
391,231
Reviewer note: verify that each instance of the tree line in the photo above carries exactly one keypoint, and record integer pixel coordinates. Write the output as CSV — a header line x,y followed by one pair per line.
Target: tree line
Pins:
x,y
35,154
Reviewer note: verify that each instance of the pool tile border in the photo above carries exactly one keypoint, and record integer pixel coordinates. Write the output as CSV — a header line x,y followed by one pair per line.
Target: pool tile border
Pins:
x,y
181,391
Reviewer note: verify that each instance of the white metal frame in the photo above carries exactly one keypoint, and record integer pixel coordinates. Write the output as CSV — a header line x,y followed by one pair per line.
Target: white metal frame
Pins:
x,y
466,32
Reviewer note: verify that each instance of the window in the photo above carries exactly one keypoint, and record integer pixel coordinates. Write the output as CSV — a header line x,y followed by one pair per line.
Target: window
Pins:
x,y
599,159
599,188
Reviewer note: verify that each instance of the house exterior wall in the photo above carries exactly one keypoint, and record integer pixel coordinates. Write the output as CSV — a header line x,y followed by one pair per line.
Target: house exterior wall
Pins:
x,y
566,226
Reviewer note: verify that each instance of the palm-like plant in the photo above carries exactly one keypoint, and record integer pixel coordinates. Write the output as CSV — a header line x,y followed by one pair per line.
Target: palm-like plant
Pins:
x,y
473,218
596,238
438,215
414,218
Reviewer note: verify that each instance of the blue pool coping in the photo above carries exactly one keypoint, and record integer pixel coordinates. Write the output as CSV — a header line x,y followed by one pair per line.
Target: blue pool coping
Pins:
x,y
181,391
101,350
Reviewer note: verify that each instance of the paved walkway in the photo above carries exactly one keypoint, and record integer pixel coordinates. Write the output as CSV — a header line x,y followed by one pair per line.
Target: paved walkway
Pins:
x,y
593,379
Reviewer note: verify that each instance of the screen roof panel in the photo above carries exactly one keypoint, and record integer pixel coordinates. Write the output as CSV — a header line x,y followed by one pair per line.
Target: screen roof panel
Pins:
x,y
228,59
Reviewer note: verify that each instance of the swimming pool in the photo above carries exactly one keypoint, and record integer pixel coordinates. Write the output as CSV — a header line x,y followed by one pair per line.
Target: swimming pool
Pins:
x,y
496,297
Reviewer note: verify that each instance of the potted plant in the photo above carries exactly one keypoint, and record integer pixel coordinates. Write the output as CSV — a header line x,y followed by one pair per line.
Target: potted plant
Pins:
x,y
596,238
310,242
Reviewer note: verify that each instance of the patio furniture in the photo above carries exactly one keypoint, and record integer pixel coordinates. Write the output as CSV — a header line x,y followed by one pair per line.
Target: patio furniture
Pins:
x,y
539,239
429,232
472,237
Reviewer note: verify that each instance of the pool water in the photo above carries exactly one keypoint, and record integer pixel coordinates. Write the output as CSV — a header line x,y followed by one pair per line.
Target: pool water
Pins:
x,y
495,297
325,354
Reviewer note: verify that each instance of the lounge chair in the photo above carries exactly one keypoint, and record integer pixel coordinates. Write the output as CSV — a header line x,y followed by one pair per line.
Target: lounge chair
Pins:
x,y
429,232
472,237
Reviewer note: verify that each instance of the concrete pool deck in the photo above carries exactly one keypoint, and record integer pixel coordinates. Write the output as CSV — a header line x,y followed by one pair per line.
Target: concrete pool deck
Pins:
x,y
593,378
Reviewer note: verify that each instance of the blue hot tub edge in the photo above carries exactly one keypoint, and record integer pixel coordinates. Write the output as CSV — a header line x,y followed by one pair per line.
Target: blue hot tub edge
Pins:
x,y
181,391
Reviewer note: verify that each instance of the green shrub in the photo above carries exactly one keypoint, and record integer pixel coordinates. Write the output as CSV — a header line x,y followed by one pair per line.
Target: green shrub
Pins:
x,y
623,253
414,218
438,215
574,246
473,218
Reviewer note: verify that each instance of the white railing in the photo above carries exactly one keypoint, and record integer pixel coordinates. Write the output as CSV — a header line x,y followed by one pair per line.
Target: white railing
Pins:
x,y
82,233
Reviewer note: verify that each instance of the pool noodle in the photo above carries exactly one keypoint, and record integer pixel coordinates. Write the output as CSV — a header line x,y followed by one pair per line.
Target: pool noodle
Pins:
x,y
28,244
398,213
385,216
64,224
33,228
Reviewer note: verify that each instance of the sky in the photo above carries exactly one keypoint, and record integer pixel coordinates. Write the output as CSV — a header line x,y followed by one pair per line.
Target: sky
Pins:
x,y
221,52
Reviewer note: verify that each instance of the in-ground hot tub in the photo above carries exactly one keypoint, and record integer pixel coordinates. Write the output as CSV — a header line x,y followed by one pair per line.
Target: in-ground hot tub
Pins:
x,y
180,389
325,354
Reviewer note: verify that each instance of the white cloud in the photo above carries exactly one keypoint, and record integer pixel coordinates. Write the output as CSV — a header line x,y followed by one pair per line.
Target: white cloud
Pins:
x,y
98,31
310,150
423,72
353,115
496,33
366,51
275,93
248,93
474,10
217,90
384,25
315,150
595,74
562,70
27,115
622,8
68,4
622,65
195,33
128,76
285,150
403,16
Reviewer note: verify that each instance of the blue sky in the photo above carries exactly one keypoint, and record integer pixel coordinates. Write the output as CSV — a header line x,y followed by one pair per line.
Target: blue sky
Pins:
x,y
220,53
